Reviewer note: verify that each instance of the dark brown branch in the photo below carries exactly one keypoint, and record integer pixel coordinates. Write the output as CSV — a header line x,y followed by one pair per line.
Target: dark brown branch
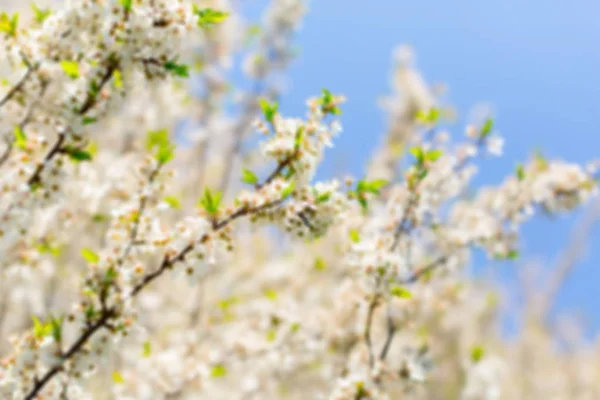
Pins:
x,y
74,349
391,332
15,89
280,167
56,149
88,104
420,272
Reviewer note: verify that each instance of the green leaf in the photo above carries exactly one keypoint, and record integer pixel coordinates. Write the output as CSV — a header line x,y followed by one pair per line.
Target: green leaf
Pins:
x,y
295,327
211,201
327,104
288,190
165,154
110,276
510,255
363,203
477,353
374,186
159,142
127,4
400,292
433,155
20,138
354,235
209,17
271,335
40,14
419,155
271,294
147,349
92,148
179,70
249,177
94,89
299,138
90,256
218,371
71,68
99,217
520,172
56,324
117,378
46,248
487,127
322,197
118,79
173,202
430,116
8,24
269,110
158,138
41,329
320,264
77,154
89,120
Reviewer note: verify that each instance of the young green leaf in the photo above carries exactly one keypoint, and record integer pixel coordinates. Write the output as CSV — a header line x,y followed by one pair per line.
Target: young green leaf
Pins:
x,y
89,120
419,155
40,14
271,294
179,70
433,155
90,256
400,292
327,103
429,117
354,235
56,324
117,378
158,138
118,79
249,177
173,202
41,329
218,371
159,142
127,4
477,353
320,264
20,138
288,190
211,201
269,109
71,68
322,197
487,127
208,17
147,349
520,172
299,138
8,24
77,154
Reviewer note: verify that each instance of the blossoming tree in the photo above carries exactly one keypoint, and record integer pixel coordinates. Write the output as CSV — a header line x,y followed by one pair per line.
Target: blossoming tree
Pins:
x,y
163,235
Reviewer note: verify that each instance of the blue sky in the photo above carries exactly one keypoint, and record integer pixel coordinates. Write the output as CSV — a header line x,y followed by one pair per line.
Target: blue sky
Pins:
x,y
536,62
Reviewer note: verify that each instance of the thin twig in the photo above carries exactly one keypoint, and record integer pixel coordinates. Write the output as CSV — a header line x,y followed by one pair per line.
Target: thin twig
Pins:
x,y
17,87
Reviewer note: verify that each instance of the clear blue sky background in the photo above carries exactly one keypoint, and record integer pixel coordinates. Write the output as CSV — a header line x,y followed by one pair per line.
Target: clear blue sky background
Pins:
x,y
536,61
